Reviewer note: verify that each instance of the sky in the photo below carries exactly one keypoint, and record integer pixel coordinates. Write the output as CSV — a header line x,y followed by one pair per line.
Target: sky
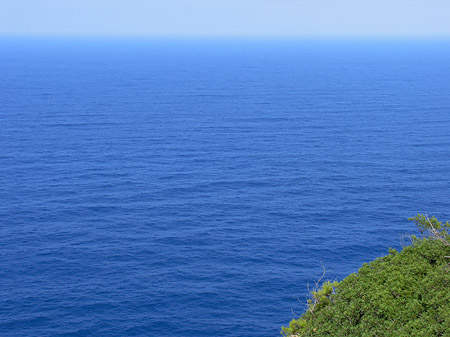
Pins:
x,y
241,18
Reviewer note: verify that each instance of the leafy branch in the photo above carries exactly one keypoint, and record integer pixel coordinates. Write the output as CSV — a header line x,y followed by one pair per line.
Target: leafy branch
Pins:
x,y
434,229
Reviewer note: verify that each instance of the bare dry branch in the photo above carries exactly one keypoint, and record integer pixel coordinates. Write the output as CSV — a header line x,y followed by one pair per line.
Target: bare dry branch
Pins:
x,y
435,234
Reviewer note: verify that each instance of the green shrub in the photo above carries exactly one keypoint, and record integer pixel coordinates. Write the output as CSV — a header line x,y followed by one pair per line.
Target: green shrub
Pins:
x,y
405,293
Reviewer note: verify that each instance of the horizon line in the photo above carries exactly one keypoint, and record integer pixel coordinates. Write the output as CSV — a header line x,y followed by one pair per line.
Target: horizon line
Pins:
x,y
232,36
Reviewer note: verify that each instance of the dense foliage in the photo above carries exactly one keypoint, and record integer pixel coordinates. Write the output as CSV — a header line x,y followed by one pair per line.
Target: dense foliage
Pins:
x,y
405,293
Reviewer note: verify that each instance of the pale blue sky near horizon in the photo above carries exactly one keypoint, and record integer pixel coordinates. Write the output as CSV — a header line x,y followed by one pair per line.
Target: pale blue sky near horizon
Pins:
x,y
234,18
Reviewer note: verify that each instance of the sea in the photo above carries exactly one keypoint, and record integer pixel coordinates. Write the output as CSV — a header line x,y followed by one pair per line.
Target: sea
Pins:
x,y
199,187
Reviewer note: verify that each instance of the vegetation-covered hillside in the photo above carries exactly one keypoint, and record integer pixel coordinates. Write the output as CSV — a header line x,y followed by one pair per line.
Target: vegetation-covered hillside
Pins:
x,y
405,293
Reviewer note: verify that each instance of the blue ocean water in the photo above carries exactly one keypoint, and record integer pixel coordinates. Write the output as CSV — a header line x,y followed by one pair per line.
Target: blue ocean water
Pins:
x,y
194,187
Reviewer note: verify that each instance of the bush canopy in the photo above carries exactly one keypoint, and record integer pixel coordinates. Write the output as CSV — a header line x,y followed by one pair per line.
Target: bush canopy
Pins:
x,y
402,294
